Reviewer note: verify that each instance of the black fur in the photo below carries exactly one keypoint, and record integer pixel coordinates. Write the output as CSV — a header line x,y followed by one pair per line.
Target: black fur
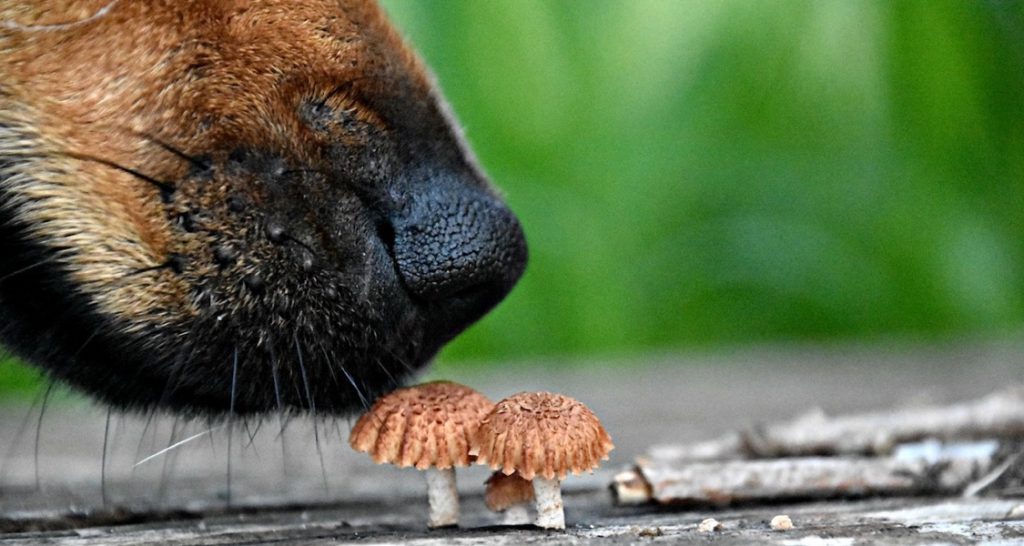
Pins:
x,y
317,287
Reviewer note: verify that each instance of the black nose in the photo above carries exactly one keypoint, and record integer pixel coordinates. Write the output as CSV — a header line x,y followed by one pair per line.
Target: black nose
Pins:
x,y
459,251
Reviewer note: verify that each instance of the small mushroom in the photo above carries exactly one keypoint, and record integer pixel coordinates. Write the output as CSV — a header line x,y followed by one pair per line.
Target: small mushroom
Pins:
x,y
509,494
542,436
428,426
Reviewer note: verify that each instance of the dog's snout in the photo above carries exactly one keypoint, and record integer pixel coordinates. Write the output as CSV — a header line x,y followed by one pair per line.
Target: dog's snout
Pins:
x,y
459,251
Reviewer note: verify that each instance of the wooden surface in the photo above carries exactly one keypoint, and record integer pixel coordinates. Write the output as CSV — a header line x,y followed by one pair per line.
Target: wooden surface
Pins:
x,y
283,489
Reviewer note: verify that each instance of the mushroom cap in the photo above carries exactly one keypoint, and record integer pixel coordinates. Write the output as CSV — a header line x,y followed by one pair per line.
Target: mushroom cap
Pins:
x,y
504,491
541,434
427,425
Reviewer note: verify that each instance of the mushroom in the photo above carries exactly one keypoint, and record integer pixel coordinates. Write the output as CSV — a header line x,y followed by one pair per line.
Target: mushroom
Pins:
x,y
509,494
428,426
542,436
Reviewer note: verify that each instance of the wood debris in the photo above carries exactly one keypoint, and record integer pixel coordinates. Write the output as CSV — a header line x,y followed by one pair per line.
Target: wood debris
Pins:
x,y
781,523
709,525
950,449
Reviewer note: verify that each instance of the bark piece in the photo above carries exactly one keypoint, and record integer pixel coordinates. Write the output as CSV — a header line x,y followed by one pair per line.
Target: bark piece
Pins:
x,y
725,482
709,525
999,415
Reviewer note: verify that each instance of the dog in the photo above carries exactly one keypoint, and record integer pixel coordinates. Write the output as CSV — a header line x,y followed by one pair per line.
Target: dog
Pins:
x,y
218,207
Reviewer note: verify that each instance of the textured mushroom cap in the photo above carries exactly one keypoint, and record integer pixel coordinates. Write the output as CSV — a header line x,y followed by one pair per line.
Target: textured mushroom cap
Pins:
x,y
540,433
428,425
504,491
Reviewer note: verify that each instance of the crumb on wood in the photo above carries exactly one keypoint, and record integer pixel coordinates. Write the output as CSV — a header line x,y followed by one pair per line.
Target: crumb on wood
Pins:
x,y
709,525
781,523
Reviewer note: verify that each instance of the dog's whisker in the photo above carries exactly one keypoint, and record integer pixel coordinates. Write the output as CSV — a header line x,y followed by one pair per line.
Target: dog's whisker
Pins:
x,y
231,417
166,188
277,383
252,433
30,267
151,415
330,367
312,408
198,162
176,445
169,462
22,428
359,392
39,429
103,460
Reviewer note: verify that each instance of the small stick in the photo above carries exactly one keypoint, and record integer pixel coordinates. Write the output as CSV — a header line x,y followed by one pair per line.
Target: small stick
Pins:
x,y
725,482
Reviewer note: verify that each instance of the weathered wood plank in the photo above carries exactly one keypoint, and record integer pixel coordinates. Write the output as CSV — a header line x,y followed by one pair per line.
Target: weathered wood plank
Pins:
x,y
590,519
281,492
984,439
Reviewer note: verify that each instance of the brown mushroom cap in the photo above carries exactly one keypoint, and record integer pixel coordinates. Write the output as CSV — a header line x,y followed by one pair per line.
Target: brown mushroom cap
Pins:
x,y
425,426
503,491
541,433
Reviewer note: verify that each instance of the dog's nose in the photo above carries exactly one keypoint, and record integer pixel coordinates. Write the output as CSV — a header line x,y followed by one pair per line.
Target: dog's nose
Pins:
x,y
459,250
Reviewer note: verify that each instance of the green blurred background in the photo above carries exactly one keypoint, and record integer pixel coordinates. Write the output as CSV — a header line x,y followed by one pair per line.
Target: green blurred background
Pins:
x,y
709,173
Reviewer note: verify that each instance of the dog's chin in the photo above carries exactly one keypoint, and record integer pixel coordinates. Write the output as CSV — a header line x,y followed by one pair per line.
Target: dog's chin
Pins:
x,y
329,344
322,358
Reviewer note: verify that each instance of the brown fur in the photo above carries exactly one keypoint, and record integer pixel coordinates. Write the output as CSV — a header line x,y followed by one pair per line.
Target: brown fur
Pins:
x,y
67,86
104,105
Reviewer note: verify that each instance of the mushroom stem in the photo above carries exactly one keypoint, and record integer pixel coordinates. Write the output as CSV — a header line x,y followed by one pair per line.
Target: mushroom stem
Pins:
x,y
517,514
549,503
443,497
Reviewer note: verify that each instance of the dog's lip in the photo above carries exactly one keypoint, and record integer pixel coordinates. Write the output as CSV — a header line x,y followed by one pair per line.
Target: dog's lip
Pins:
x,y
428,339
408,307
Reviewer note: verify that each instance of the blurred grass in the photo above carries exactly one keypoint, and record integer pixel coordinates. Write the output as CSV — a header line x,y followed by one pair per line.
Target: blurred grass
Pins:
x,y
694,173
16,379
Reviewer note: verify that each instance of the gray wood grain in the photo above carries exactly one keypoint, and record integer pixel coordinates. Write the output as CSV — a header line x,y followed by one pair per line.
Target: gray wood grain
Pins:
x,y
281,493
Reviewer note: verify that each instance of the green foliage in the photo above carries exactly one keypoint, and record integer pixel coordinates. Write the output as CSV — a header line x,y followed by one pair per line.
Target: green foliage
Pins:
x,y
16,378
704,173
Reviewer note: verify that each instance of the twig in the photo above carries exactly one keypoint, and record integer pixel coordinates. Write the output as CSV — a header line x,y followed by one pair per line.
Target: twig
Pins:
x,y
725,482
817,456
